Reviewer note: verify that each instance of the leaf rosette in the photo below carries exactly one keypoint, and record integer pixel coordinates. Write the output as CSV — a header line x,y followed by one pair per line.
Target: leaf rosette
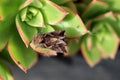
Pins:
x,y
34,15
38,17
103,25
43,17
50,27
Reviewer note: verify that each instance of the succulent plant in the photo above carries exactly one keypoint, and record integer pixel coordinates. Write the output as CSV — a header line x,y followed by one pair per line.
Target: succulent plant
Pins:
x,y
101,19
50,27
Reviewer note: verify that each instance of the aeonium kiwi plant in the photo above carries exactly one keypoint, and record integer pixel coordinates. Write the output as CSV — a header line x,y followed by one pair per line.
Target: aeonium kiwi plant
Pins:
x,y
29,28
36,26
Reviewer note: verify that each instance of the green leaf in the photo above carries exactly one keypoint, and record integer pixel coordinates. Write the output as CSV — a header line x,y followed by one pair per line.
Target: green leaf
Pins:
x,y
26,32
72,24
114,5
36,3
108,41
32,16
23,14
5,73
94,9
59,27
24,57
46,29
33,3
5,32
9,8
52,13
8,16
70,5
36,21
112,19
103,43
89,49
114,22
4,55
73,47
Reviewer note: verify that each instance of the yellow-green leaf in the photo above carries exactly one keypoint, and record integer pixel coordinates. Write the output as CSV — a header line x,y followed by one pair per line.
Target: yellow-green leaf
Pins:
x,y
24,57
26,32
53,13
89,50
108,41
72,24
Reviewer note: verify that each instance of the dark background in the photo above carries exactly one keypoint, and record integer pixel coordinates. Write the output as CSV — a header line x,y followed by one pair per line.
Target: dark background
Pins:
x,y
73,68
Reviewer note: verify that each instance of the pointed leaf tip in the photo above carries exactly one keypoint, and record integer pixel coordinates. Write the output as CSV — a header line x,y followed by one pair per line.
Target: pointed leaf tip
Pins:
x,y
24,57
107,37
26,32
90,51
50,9
28,2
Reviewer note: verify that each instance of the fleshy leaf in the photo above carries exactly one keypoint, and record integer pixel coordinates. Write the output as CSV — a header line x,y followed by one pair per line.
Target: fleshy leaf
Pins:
x,y
26,32
34,3
7,23
26,3
114,5
103,43
4,55
32,16
72,24
112,19
5,32
37,20
24,57
5,73
89,50
70,5
59,26
53,13
37,4
94,9
73,47
46,29
23,14
108,41
10,6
